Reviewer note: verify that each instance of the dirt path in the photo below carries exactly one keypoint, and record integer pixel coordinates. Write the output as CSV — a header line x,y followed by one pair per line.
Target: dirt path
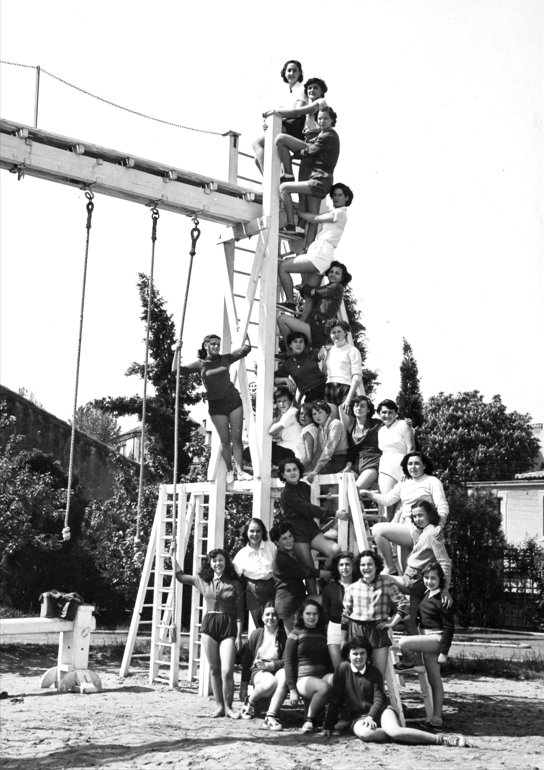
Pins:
x,y
133,725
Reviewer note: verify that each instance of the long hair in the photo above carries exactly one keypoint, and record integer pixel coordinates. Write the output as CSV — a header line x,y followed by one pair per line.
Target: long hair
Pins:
x,y
430,510
284,70
202,352
206,572
299,620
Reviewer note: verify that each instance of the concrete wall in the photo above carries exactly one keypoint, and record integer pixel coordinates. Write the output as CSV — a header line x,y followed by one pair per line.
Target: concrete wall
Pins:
x,y
42,430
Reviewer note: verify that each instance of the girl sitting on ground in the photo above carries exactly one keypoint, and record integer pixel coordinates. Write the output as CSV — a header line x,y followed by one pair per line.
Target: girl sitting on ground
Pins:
x,y
436,625
264,668
372,607
221,628
357,686
308,665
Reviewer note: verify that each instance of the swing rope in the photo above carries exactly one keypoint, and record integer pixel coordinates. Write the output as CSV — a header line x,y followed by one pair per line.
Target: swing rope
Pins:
x,y
139,555
195,235
66,534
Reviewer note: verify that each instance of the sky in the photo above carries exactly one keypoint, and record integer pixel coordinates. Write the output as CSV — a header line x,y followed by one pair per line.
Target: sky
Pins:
x,y
439,108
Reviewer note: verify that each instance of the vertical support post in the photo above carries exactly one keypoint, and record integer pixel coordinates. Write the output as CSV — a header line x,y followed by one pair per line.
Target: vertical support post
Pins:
x,y
267,324
233,156
37,96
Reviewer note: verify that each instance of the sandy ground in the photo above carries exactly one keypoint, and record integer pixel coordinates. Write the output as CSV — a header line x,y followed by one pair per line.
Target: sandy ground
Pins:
x,y
134,725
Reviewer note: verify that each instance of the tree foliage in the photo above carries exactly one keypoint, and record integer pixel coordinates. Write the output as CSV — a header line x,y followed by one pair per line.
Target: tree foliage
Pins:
x,y
470,440
358,331
30,396
160,404
475,543
97,423
410,400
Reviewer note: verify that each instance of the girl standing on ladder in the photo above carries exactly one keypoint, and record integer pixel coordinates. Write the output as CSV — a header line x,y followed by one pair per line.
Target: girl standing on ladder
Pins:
x,y
224,401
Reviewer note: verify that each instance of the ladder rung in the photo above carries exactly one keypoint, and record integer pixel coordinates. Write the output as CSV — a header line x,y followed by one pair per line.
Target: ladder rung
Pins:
x,y
164,644
242,272
246,155
166,572
249,179
142,655
161,678
242,248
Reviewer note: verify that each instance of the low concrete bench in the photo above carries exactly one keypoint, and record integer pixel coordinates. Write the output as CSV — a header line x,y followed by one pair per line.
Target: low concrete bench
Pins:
x,y
72,672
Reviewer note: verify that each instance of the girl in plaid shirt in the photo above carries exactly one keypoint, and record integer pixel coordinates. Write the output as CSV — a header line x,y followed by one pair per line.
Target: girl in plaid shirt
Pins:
x,y
372,605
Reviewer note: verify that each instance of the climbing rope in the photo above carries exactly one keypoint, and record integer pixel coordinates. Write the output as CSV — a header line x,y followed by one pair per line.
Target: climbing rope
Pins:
x,y
66,534
139,555
195,235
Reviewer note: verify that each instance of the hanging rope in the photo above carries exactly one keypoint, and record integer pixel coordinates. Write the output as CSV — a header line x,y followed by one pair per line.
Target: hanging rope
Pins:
x,y
139,555
195,235
66,534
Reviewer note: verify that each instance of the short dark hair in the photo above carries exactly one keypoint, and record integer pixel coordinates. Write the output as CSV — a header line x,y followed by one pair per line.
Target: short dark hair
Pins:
x,y
295,336
434,566
427,464
388,405
282,391
321,404
335,575
333,323
316,82
206,572
245,538
346,275
357,400
280,529
356,643
430,510
299,621
331,112
283,462
377,559
345,189
284,70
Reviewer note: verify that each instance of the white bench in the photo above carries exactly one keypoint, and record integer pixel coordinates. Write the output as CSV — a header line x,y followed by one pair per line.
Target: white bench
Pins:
x,y
72,672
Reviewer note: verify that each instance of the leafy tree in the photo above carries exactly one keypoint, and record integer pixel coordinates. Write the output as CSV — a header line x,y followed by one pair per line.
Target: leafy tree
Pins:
x,y
97,423
30,397
33,556
475,543
470,440
160,405
410,400
358,331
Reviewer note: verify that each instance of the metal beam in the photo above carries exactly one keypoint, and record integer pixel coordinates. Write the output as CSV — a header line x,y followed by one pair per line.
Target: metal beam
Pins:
x,y
29,151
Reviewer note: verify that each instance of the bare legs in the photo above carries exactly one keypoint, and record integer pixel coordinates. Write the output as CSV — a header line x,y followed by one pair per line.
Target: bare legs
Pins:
x,y
288,324
391,728
269,685
384,535
367,478
379,659
317,691
221,657
303,552
301,265
431,650
258,149
230,429
386,484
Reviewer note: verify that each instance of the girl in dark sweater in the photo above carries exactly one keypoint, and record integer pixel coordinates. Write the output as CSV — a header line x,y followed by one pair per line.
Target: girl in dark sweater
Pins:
x,y
357,686
436,622
308,665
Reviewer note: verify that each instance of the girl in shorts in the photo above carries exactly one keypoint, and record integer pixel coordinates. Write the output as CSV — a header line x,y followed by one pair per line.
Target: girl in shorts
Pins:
x,y
307,663
314,264
224,401
437,626
343,575
371,608
221,628
344,371
326,304
301,513
357,686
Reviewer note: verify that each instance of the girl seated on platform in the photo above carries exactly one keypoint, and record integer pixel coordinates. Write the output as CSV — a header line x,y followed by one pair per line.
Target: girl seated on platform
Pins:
x,y
289,574
224,402
437,625
363,450
308,665
291,73
328,301
300,513
222,623
264,668
300,369
357,686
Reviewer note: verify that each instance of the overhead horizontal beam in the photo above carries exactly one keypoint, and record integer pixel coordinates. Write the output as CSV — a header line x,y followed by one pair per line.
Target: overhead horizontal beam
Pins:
x,y
37,153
